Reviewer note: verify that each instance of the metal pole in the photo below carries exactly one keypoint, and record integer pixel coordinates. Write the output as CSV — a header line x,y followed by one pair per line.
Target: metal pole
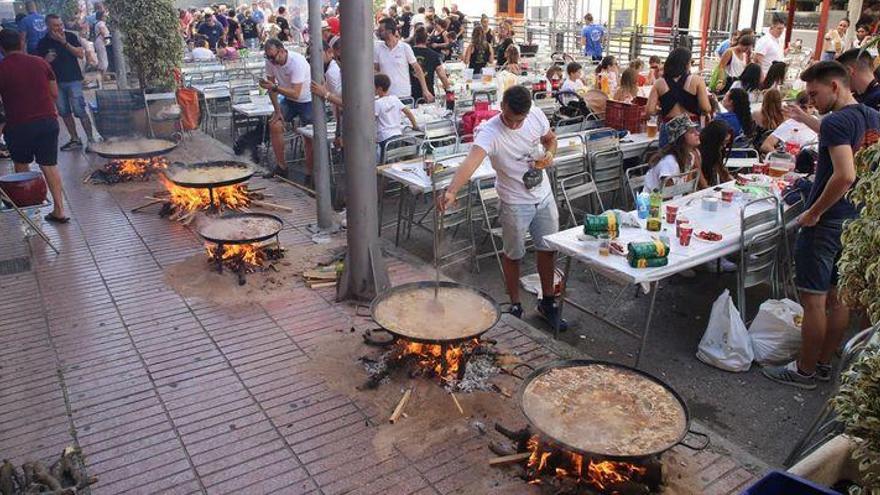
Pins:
x,y
365,274
823,26
704,38
789,24
320,151
119,58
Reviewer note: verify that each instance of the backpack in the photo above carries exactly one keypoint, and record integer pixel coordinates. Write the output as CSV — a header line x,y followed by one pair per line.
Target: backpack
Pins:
x,y
470,121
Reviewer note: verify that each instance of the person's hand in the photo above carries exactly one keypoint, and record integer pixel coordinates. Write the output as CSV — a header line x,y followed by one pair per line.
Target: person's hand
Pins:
x,y
429,98
61,38
808,219
266,84
318,90
445,201
797,113
545,161
275,117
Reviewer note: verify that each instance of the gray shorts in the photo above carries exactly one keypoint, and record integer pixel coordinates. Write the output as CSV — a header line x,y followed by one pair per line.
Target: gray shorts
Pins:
x,y
540,220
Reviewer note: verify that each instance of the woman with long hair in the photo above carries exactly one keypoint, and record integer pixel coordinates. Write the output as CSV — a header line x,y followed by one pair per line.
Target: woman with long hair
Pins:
x,y
629,88
750,80
775,77
738,113
715,144
504,41
607,75
734,60
681,154
678,92
479,53
770,116
512,56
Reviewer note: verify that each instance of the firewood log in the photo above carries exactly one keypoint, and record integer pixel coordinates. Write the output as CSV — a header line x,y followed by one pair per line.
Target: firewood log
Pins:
x,y
42,475
9,481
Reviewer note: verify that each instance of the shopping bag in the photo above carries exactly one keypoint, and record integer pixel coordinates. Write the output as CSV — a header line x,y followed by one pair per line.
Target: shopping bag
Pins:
x,y
776,331
726,343
188,100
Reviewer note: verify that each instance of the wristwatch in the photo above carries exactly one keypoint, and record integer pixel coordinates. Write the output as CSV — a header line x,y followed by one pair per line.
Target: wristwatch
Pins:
x,y
275,87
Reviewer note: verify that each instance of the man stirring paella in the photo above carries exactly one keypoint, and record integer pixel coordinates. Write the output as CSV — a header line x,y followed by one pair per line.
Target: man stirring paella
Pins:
x,y
511,141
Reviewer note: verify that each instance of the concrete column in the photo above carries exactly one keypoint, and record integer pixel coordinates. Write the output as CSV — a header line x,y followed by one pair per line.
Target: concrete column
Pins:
x,y
365,273
320,151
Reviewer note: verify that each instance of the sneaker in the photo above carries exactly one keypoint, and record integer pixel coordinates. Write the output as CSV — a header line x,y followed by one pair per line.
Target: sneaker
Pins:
x,y
516,310
823,372
73,144
790,375
550,313
728,266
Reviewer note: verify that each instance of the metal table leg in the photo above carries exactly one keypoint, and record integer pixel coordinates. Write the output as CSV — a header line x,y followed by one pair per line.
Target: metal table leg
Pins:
x,y
562,296
655,286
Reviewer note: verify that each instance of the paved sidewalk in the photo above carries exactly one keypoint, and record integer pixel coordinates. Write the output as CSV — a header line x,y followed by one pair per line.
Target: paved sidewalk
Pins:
x,y
174,394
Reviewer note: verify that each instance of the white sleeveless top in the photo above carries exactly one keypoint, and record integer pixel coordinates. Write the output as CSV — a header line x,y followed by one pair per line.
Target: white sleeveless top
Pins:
x,y
737,65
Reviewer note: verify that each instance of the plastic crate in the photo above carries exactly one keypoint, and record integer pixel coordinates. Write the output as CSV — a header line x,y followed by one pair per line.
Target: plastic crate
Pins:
x,y
626,116
782,483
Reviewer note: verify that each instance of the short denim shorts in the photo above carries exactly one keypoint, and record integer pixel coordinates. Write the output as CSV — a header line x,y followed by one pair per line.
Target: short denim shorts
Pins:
x,y
815,256
541,220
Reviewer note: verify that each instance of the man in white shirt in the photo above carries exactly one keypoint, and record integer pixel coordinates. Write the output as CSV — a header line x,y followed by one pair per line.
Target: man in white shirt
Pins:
x,y
511,141
201,51
394,58
769,47
287,74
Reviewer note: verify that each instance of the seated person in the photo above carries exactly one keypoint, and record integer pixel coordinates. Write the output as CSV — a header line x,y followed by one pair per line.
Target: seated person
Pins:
x,y
750,80
737,113
768,118
681,154
201,50
628,89
574,82
226,52
715,142
791,130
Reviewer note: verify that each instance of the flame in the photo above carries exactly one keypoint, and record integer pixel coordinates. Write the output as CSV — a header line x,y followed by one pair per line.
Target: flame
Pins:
x,y
546,460
432,357
250,255
135,168
189,199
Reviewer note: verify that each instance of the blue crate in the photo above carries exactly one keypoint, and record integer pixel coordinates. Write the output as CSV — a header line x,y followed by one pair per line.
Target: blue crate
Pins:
x,y
782,483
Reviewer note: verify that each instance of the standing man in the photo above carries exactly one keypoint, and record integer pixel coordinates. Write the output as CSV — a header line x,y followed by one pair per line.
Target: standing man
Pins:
x,y
394,58
769,47
250,30
63,52
841,135
288,75
27,89
592,36
430,61
283,25
211,30
33,26
510,140
865,86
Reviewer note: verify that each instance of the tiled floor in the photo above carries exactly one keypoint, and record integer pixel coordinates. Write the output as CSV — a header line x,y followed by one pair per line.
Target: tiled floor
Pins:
x,y
167,394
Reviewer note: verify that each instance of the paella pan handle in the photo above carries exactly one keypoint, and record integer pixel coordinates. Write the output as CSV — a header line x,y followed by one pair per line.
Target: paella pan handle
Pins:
x,y
699,446
505,307
512,371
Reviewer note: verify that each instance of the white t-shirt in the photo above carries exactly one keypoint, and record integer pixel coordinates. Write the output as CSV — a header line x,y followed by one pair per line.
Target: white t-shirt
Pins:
x,y
295,71
510,151
395,63
784,133
666,167
202,53
334,77
388,120
771,49
573,86
418,19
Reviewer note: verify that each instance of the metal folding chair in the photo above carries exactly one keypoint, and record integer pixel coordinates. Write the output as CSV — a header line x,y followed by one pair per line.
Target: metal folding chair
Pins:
x,y
397,149
635,179
786,251
569,125
606,168
682,184
760,228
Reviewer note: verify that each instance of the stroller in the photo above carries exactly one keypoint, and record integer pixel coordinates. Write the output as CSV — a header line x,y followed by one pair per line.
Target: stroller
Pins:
x,y
590,108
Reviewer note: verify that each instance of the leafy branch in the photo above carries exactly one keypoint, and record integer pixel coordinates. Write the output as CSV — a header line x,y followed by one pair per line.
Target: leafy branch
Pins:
x,y
151,40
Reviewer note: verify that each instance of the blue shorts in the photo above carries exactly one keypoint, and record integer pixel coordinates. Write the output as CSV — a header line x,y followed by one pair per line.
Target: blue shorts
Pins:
x,y
71,99
291,110
815,256
540,220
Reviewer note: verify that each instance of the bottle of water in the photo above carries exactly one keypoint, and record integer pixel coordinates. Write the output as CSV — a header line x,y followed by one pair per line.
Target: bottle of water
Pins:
x,y
643,204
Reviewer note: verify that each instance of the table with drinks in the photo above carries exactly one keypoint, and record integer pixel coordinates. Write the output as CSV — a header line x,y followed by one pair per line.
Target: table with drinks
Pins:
x,y
697,228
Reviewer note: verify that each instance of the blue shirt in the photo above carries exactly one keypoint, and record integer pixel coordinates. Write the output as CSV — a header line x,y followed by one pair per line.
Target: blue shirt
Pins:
x,y
593,34
732,120
723,47
34,28
845,127
258,16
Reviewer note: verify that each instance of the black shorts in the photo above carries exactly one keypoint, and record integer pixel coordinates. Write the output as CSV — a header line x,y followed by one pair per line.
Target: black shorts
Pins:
x,y
35,141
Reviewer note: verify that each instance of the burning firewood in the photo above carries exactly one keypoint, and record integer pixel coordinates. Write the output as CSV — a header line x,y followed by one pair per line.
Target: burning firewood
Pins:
x,y
457,404
65,477
400,405
509,459
129,170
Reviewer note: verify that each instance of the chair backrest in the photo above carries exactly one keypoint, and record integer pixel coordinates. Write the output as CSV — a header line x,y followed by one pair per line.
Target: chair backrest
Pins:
x,y
790,214
401,148
458,214
570,144
683,183
744,152
760,231
635,179
601,139
606,168
441,132
488,96
576,187
569,125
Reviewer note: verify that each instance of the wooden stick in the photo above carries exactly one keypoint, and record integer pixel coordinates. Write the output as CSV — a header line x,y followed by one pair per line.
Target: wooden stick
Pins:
x,y
457,404
294,184
271,206
509,459
322,285
400,405
151,203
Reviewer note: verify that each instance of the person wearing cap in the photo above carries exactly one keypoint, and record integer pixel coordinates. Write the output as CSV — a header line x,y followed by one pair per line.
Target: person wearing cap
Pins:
x,y
394,58
326,33
333,21
680,155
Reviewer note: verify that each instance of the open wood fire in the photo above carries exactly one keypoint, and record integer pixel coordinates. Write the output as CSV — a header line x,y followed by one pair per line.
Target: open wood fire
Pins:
x,y
242,259
182,203
128,170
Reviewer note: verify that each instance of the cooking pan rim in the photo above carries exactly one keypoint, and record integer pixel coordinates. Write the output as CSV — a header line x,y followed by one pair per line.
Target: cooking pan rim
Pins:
x,y
209,185
243,241
172,145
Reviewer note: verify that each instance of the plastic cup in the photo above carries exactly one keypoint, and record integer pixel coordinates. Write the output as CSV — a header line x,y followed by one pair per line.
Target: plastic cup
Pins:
x,y
671,213
727,195
678,223
686,230
604,245
652,129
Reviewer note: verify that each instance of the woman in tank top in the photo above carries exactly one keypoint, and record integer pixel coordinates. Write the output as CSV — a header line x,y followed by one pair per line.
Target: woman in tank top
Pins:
x,y
678,92
479,53
735,60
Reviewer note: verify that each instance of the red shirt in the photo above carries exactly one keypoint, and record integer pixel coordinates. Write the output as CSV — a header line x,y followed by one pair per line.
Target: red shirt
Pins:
x,y
333,22
24,89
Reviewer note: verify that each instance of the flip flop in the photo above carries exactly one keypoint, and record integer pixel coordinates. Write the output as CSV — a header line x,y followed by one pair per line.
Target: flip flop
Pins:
x,y
53,219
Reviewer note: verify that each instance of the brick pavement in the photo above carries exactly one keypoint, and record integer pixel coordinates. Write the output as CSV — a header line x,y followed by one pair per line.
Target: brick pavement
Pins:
x,y
169,394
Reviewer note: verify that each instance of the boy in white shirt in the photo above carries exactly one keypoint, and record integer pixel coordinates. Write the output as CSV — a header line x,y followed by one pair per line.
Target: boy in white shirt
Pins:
x,y
574,83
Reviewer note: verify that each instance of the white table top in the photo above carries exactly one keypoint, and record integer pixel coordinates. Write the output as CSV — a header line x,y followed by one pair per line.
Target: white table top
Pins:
x,y
424,114
259,107
738,163
412,174
725,221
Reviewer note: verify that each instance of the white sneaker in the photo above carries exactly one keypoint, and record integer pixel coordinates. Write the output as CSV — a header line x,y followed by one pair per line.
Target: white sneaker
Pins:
x,y
728,266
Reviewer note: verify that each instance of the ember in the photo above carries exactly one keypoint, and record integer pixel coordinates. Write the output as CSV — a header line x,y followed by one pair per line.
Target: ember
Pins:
x,y
134,169
243,258
188,199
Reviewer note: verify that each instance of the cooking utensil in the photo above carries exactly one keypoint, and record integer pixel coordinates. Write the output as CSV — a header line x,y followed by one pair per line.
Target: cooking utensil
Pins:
x,y
182,174
122,148
24,188
565,402
226,229
438,229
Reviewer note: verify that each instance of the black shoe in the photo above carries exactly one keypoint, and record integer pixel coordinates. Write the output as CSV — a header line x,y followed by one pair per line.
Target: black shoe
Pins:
x,y
280,172
550,313
73,144
516,310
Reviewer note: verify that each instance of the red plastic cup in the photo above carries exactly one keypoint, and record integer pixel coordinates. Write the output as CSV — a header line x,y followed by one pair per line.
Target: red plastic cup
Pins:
x,y
671,213
760,168
686,231
727,195
678,222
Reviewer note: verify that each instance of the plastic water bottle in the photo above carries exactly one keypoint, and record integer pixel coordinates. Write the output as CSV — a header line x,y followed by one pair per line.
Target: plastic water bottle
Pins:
x,y
643,204
656,204
792,145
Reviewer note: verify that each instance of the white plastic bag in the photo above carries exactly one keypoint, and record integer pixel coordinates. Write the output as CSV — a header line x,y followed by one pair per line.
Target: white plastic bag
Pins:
x,y
776,331
726,343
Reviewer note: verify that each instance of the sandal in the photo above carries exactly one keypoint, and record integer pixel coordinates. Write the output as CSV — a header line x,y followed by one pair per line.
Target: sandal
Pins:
x,y
53,219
